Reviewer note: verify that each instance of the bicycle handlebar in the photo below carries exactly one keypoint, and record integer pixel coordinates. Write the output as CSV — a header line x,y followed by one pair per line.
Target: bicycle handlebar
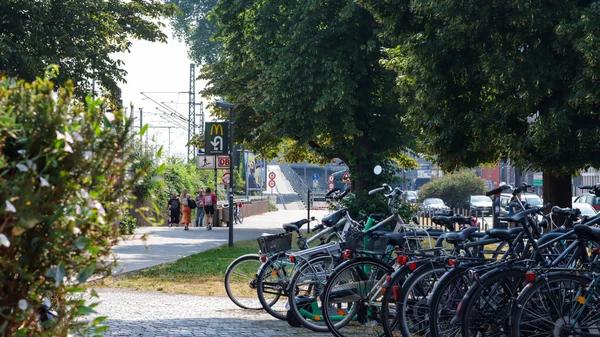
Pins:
x,y
497,190
379,189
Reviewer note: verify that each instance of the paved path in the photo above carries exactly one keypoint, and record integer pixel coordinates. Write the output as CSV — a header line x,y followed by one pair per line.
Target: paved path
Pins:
x,y
152,314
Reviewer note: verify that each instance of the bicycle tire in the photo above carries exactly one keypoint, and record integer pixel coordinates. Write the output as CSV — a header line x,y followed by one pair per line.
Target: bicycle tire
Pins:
x,y
240,216
562,309
486,308
450,289
413,305
273,279
349,284
307,284
237,276
389,318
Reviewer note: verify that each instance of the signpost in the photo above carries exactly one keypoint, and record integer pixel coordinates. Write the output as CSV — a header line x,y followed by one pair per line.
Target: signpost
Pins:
x,y
216,140
271,182
204,162
225,178
315,180
330,182
222,162
346,178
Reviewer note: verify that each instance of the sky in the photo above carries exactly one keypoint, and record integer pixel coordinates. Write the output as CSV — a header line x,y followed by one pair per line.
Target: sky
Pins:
x,y
162,72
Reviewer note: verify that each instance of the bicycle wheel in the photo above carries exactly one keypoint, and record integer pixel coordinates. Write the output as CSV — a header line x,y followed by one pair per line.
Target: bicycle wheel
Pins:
x,y
486,308
389,317
356,286
240,281
307,285
558,305
412,306
272,285
445,298
240,215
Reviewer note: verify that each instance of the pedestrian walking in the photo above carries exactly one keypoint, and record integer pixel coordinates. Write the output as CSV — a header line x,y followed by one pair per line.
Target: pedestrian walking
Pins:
x,y
174,209
210,200
186,211
199,208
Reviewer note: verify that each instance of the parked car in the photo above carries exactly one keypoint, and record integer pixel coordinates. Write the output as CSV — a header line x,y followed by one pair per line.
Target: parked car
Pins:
x,y
411,196
435,206
480,205
586,209
532,199
589,199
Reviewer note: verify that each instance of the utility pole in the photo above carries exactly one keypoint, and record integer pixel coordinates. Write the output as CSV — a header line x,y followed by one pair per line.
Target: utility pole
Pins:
x,y
141,124
192,111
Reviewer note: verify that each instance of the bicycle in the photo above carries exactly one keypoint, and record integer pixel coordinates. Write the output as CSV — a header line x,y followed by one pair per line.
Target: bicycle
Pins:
x,y
238,215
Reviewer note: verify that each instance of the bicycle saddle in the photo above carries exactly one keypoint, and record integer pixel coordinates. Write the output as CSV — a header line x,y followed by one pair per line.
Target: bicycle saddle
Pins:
x,y
587,232
461,236
518,217
294,226
503,234
333,218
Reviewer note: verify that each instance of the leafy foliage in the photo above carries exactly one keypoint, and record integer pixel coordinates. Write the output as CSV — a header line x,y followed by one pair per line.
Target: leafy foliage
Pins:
x,y
306,75
64,185
455,188
78,35
127,225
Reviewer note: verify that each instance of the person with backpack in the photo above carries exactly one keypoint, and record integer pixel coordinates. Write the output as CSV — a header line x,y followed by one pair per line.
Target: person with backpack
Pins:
x,y
210,200
174,209
186,209
200,208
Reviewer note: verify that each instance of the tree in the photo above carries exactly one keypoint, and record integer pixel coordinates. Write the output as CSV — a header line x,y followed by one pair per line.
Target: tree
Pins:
x,y
500,79
455,188
305,76
79,35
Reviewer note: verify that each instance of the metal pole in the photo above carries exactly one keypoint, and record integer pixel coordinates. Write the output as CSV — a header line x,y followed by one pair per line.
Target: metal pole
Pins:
x,y
231,149
141,124
308,215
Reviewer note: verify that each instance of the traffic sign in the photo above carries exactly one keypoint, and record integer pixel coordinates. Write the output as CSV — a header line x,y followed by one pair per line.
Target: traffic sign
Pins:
x,y
223,162
225,178
315,176
271,183
346,178
330,178
330,186
204,162
216,138
272,175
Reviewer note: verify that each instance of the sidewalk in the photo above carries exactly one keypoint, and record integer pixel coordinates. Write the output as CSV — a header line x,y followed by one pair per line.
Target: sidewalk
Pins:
x,y
167,244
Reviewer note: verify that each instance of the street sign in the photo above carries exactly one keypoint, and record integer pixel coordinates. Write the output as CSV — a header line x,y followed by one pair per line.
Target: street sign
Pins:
x,y
271,183
330,178
330,186
216,138
225,178
205,162
315,176
223,162
272,175
346,178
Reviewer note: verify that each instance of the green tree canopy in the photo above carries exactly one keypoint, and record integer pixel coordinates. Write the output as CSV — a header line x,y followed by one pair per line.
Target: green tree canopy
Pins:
x,y
78,35
306,75
454,188
486,80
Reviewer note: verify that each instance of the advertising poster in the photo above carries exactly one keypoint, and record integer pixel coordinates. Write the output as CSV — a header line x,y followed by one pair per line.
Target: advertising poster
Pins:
x,y
255,172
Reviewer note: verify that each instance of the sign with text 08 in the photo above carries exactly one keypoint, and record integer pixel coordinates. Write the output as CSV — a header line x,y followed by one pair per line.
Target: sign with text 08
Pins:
x,y
223,162
216,138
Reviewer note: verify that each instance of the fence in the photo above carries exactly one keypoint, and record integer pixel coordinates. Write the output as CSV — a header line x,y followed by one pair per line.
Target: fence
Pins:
x,y
297,184
484,221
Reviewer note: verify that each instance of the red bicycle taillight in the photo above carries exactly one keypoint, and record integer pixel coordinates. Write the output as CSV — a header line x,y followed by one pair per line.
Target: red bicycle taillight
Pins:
x,y
529,276
395,292
292,259
263,258
453,263
347,254
402,259
412,265
459,307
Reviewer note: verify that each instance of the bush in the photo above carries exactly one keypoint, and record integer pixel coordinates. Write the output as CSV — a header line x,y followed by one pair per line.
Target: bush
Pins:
x,y
127,225
455,189
64,185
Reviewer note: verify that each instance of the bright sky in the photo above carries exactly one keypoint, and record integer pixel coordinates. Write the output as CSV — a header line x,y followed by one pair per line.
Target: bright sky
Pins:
x,y
162,72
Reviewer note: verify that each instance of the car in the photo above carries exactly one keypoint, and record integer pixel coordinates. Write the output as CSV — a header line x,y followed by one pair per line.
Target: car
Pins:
x,y
411,196
590,199
480,205
532,199
435,206
586,209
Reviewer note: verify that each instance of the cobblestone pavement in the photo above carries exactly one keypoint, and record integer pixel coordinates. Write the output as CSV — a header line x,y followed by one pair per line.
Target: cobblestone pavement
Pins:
x,y
134,313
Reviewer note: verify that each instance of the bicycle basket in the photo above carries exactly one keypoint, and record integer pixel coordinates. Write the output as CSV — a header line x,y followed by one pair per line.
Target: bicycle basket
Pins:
x,y
360,242
275,243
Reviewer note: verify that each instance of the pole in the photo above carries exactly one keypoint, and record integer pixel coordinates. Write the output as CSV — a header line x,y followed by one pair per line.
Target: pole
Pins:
x,y
308,215
231,148
141,124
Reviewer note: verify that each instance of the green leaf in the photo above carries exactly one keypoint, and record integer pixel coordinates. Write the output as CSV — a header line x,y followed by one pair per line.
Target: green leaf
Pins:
x,y
144,129
60,273
161,169
107,123
159,152
84,310
85,274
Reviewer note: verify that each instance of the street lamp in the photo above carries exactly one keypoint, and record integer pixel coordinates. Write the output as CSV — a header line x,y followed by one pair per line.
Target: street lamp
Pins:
x,y
223,104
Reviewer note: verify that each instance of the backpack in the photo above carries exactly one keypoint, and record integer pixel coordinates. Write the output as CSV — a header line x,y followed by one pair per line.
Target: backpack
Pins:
x,y
208,200
192,203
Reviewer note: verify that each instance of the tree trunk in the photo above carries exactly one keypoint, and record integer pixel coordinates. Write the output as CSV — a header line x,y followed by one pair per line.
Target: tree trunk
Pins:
x,y
557,189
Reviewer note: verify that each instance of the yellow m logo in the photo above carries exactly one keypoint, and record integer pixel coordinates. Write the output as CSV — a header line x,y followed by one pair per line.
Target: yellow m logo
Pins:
x,y
216,129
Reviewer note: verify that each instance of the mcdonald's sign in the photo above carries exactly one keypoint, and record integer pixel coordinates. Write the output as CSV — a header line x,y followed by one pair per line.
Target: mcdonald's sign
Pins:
x,y
216,138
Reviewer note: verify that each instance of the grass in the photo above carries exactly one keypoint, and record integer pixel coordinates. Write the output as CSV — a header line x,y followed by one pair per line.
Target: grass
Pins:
x,y
199,274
